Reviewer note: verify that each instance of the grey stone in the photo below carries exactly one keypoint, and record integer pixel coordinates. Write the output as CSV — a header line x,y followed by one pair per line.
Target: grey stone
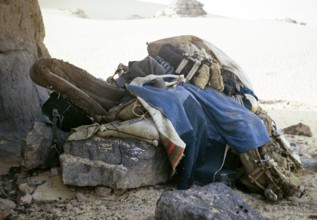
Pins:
x,y
6,208
7,203
24,187
213,201
55,171
36,145
80,197
25,199
113,162
310,163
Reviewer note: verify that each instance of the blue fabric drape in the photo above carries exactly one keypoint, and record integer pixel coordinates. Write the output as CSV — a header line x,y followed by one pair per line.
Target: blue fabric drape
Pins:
x,y
206,121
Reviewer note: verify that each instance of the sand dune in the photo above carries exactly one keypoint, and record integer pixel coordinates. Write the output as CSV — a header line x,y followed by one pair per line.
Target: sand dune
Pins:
x,y
279,57
107,9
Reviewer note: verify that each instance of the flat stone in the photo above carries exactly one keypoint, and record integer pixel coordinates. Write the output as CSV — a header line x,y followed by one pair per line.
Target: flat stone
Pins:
x,y
52,190
113,162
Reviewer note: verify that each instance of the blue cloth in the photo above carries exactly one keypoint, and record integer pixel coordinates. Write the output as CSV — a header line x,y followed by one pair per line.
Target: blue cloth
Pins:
x,y
206,121
236,125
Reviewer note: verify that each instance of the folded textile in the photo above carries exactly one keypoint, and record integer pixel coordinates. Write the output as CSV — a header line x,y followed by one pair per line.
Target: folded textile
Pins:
x,y
138,128
168,137
83,132
142,129
140,68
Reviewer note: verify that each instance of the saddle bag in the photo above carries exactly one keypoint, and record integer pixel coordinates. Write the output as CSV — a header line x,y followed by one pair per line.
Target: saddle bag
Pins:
x,y
271,168
69,115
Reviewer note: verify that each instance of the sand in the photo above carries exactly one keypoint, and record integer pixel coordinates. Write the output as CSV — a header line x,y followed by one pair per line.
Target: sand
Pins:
x,y
279,57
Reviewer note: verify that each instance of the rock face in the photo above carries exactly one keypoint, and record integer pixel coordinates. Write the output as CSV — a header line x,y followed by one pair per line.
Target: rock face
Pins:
x,y
213,201
21,43
113,162
183,8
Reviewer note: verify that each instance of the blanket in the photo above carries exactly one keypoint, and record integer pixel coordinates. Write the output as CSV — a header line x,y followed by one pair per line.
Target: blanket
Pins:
x,y
207,121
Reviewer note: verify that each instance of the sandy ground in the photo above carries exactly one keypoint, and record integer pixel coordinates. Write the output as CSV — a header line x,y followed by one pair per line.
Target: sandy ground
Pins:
x,y
280,58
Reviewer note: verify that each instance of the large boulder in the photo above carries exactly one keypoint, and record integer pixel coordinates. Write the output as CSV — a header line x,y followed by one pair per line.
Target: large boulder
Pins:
x,y
113,162
213,201
21,44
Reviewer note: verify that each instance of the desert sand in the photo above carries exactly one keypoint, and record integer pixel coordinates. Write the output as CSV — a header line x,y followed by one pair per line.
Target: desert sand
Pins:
x,y
279,58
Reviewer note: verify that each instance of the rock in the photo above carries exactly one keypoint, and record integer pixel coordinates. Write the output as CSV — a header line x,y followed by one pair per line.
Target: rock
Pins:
x,y
298,129
102,191
293,21
36,145
113,162
213,201
21,44
53,189
310,163
25,199
119,192
80,197
7,203
55,171
24,187
183,8
77,12
4,212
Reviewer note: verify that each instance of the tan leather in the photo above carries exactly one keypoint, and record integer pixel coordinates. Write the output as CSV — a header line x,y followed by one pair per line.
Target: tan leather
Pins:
x,y
93,95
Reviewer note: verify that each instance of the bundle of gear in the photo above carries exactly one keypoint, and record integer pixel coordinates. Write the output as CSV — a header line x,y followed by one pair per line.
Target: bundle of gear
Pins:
x,y
186,96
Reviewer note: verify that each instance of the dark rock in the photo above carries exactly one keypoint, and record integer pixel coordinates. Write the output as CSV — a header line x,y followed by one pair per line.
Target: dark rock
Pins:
x,y
21,44
213,201
36,145
115,163
298,129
